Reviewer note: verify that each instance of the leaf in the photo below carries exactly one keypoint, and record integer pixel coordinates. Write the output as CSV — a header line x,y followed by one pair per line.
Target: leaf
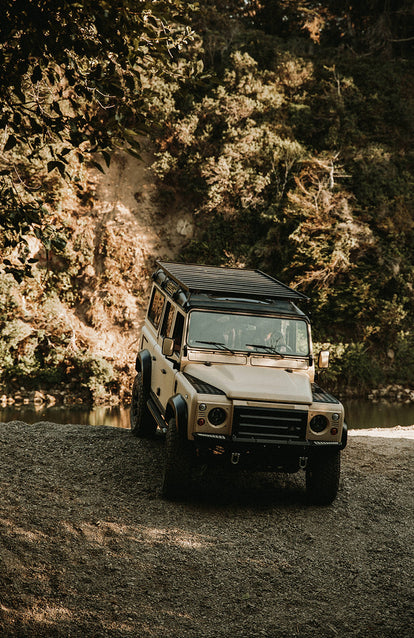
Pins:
x,y
134,153
107,157
11,143
54,164
17,91
17,274
36,127
129,81
28,272
37,74
17,118
62,158
199,67
56,108
98,166
58,242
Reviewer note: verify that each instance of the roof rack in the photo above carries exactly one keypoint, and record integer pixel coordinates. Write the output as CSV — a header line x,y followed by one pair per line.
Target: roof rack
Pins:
x,y
235,282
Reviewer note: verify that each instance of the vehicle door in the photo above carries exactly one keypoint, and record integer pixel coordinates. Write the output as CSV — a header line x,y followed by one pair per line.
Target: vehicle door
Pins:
x,y
165,368
150,333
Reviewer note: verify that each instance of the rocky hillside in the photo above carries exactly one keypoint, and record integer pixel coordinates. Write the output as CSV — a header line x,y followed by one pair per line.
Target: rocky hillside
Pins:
x,y
280,137
78,319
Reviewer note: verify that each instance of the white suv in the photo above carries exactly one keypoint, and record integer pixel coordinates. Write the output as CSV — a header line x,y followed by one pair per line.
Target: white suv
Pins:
x,y
226,370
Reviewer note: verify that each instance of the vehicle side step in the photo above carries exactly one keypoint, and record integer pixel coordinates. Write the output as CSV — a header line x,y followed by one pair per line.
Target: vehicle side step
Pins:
x,y
156,414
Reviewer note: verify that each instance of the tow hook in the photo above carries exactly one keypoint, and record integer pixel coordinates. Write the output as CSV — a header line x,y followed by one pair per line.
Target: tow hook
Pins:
x,y
303,461
235,458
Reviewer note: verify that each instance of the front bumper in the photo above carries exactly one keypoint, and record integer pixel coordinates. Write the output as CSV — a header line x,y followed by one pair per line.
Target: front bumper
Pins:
x,y
237,444
285,456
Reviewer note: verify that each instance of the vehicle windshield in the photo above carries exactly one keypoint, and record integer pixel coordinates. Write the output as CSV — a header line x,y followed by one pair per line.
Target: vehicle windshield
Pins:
x,y
256,334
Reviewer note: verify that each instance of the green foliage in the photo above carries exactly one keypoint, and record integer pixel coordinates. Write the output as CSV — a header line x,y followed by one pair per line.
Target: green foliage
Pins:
x,y
8,300
233,150
297,158
403,358
71,86
353,369
41,359
366,27
94,373
286,127
46,356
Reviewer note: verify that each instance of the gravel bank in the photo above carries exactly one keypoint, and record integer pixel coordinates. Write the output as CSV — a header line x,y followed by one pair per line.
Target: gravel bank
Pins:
x,y
88,547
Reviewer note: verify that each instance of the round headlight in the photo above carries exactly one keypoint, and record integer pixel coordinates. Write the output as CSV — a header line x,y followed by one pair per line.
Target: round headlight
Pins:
x,y
335,416
217,416
202,407
319,423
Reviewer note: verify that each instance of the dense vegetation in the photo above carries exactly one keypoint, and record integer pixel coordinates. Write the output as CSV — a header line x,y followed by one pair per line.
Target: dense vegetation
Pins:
x,y
286,127
297,155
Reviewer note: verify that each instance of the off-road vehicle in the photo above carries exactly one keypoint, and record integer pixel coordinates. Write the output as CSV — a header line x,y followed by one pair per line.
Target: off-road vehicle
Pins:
x,y
226,370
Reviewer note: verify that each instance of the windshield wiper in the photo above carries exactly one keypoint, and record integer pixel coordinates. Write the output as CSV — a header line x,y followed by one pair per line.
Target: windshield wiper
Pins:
x,y
266,348
218,344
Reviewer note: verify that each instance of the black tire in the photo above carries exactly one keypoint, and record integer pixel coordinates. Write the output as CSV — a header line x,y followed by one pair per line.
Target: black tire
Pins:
x,y
178,463
322,477
142,423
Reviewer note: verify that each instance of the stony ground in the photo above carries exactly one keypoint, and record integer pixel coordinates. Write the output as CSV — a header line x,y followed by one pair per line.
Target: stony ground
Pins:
x,y
89,548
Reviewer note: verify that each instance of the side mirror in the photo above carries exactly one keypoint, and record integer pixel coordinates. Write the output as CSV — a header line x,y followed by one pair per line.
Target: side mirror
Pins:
x,y
323,359
167,346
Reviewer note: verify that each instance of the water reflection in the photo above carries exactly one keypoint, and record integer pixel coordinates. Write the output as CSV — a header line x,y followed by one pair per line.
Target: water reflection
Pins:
x,y
114,416
359,414
366,414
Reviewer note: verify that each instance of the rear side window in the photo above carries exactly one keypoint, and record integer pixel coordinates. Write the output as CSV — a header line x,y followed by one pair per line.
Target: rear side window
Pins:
x,y
168,320
155,308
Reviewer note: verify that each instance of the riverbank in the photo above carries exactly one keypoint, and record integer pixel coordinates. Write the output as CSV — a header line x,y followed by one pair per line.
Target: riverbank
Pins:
x,y
359,413
69,396
56,397
88,547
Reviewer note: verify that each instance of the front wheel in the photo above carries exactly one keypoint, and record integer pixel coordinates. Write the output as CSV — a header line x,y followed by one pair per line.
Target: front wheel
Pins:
x,y
322,477
142,423
178,462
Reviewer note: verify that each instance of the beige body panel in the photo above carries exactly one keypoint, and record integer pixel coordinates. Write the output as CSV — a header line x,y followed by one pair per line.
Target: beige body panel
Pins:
x,y
254,383
253,379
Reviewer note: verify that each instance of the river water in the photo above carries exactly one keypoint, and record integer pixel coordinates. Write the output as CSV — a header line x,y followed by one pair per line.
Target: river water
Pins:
x,y
360,414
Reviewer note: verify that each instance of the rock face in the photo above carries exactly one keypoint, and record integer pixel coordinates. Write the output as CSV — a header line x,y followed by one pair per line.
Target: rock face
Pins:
x,y
393,393
89,301
132,224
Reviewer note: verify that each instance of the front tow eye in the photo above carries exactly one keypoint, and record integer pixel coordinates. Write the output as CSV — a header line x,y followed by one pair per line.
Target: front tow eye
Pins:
x,y
235,458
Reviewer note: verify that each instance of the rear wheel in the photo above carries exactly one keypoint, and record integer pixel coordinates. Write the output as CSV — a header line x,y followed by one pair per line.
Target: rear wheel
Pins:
x,y
142,423
178,463
322,477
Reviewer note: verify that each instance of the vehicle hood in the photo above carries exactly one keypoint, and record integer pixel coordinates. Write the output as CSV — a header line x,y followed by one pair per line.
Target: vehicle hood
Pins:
x,y
255,384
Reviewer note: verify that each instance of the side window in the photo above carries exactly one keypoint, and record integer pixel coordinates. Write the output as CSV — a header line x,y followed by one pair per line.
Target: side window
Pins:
x,y
155,308
178,332
168,320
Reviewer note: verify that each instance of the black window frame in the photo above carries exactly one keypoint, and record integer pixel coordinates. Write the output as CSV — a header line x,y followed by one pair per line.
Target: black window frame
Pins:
x,y
178,344
155,318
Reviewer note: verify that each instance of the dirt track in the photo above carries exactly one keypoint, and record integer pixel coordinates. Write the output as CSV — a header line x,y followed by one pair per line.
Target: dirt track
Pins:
x,y
88,548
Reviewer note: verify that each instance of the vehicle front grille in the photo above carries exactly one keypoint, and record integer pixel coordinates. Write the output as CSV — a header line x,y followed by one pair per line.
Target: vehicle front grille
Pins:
x,y
269,425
